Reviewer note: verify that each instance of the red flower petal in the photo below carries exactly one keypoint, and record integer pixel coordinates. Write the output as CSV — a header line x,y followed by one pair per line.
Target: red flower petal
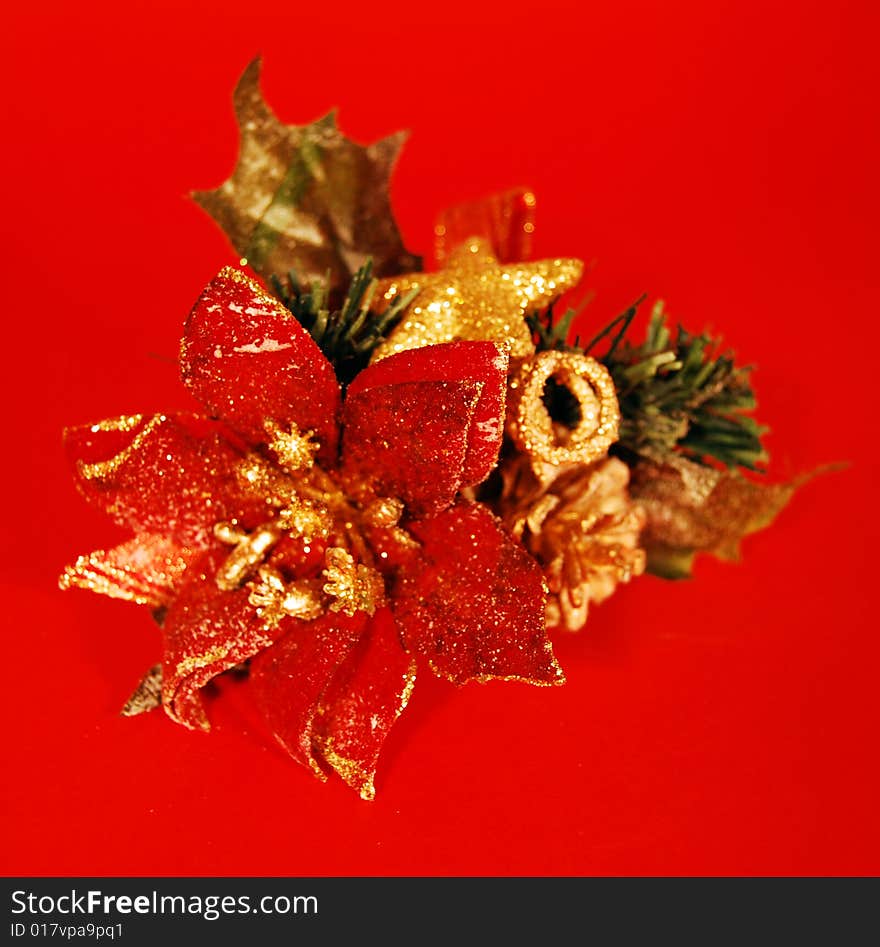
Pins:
x,y
484,362
474,604
289,678
410,440
247,358
365,698
162,474
147,570
207,632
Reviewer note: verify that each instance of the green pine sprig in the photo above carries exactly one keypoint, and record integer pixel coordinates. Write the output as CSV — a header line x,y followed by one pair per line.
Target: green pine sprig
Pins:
x,y
347,335
677,391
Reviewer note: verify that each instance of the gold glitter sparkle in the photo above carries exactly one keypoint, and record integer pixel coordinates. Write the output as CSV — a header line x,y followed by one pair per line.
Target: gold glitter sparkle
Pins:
x,y
275,599
144,570
105,468
581,527
306,519
353,587
294,449
250,550
547,442
474,297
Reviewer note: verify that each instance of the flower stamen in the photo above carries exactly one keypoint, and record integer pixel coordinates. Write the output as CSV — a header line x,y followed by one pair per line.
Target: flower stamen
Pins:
x,y
250,550
275,599
354,587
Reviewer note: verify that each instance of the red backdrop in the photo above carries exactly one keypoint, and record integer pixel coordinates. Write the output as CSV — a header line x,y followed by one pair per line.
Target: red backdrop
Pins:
x,y
721,156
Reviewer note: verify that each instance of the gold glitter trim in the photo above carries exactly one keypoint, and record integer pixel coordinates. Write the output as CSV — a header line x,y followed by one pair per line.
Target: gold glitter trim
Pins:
x,y
106,580
144,571
105,468
127,422
197,661
406,693
535,432
558,675
352,772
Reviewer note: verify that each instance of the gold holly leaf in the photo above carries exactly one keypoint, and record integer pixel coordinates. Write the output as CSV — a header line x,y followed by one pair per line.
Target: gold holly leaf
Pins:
x,y
147,695
305,197
691,508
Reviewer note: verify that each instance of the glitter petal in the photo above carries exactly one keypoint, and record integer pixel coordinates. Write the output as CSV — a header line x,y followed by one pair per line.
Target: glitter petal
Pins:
x,y
362,703
146,570
166,474
246,358
410,440
289,679
207,631
483,362
473,602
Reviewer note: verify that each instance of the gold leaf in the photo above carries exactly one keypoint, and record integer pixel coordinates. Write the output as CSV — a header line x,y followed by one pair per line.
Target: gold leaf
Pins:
x,y
691,509
147,695
581,527
305,197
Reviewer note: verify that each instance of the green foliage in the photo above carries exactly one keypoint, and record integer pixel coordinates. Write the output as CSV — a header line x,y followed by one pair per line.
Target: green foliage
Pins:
x,y
349,334
677,391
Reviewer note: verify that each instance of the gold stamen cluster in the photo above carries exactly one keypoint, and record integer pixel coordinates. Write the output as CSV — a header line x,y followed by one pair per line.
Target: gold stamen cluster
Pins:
x,y
305,503
275,599
353,587
295,450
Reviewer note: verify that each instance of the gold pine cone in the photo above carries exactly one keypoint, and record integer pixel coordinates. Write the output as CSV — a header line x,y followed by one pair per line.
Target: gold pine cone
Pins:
x,y
581,527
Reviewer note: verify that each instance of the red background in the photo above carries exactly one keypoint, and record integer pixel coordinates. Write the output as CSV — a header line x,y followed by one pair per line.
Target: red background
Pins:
x,y
720,155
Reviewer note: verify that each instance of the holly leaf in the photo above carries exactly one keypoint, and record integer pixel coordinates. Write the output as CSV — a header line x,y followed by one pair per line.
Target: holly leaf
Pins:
x,y
306,198
692,508
147,695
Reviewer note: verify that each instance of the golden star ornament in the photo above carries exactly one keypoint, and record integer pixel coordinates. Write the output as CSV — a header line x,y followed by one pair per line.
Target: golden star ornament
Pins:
x,y
475,298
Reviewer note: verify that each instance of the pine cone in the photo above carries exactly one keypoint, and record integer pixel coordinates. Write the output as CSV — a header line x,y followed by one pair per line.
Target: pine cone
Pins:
x,y
581,526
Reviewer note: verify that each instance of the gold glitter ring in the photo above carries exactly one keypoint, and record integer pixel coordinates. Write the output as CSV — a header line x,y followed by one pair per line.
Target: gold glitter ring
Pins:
x,y
591,385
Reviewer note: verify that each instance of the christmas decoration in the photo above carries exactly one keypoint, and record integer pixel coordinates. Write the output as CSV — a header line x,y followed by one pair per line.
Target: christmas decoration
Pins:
x,y
398,472
307,198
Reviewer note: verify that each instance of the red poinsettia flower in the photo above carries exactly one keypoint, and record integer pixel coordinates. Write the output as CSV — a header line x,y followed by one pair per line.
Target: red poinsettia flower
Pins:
x,y
318,536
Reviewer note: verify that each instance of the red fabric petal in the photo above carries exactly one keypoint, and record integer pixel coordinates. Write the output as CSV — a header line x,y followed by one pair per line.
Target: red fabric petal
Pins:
x,y
410,440
365,698
247,358
483,362
289,678
148,570
473,604
164,474
506,220
207,631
